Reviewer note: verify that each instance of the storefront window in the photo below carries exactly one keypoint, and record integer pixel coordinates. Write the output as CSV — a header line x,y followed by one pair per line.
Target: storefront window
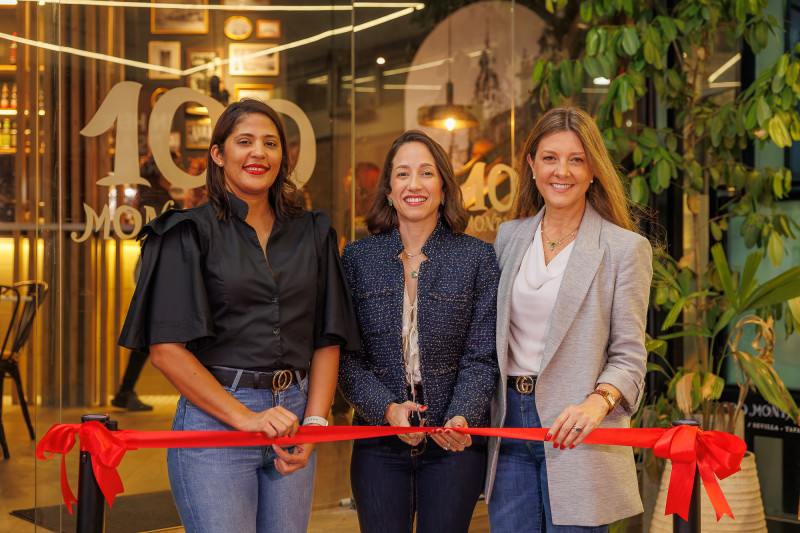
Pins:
x,y
110,108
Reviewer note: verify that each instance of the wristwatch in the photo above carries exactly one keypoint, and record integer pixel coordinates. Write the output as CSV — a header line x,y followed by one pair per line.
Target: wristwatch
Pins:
x,y
607,396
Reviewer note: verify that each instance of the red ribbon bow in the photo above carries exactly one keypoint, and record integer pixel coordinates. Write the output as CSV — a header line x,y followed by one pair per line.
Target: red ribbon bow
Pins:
x,y
713,452
107,452
716,454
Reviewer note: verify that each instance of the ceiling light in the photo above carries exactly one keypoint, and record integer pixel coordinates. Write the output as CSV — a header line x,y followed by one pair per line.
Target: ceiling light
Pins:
x,y
380,61
601,81
448,116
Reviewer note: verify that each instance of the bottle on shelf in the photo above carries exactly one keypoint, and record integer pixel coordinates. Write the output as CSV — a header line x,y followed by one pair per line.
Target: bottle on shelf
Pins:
x,y
13,135
4,103
5,135
12,102
12,54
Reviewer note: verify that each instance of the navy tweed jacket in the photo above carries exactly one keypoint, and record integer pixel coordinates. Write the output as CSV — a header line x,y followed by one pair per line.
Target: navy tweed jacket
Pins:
x,y
457,305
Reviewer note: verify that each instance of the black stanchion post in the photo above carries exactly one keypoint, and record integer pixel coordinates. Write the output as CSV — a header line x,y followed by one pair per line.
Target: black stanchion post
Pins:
x,y
91,508
679,525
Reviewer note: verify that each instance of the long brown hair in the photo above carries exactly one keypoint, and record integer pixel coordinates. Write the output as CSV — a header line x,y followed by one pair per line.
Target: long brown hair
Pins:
x,y
607,194
282,193
382,217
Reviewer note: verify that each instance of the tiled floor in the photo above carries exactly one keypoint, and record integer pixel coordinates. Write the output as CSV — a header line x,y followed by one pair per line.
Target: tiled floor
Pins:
x,y
26,481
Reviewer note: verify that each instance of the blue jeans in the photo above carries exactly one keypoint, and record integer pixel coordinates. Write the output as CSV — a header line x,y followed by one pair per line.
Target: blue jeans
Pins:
x,y
520,499
238,488
392,481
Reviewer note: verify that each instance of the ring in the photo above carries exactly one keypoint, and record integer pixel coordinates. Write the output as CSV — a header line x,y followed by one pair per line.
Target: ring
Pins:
x,y
577,428
465,441
448,446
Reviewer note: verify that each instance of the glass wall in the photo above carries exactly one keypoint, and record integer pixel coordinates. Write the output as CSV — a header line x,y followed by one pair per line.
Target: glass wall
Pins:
x,y
109,114
105,117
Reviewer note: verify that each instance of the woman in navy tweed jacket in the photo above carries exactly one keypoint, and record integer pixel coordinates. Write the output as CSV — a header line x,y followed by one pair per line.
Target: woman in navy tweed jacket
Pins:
x,y
425,297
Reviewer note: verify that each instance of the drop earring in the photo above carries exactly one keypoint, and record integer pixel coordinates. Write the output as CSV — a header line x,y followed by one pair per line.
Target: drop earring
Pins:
x,y
533,176
390,202
442,200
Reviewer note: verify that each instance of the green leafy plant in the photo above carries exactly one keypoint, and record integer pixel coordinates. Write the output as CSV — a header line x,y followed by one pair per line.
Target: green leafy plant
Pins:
x,y
662,51
700,388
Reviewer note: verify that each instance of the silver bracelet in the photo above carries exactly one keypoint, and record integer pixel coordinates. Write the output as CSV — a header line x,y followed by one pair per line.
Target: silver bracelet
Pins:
x,y
315,420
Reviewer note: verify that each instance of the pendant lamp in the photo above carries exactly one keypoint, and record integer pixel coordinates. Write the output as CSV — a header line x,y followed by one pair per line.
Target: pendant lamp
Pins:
x,y
448,116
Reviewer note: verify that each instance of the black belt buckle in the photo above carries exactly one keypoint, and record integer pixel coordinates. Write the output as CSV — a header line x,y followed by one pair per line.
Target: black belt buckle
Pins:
x,y
281,379
524,384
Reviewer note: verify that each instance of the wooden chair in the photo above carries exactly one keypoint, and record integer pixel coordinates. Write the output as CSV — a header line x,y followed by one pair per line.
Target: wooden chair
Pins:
x,y
30,294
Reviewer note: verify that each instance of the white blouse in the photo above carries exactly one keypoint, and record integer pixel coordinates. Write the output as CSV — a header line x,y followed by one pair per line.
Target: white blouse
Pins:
x,y
411,340
533,297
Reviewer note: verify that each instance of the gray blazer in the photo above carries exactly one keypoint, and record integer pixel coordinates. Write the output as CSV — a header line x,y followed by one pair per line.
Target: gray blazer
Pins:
x,y
596,335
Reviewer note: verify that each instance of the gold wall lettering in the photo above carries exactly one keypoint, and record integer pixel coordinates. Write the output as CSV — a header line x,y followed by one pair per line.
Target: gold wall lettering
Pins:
x,y
119,108
474,191
116,109
484,223
104,221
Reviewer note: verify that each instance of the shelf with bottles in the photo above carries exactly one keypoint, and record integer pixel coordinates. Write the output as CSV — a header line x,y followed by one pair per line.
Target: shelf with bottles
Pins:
x,y
8,136
8,98
8,69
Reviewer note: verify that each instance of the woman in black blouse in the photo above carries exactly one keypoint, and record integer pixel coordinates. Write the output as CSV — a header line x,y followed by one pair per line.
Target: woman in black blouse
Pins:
x,y
243,306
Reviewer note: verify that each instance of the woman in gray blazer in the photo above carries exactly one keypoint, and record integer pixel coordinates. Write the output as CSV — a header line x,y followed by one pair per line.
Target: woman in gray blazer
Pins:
x,y
571,315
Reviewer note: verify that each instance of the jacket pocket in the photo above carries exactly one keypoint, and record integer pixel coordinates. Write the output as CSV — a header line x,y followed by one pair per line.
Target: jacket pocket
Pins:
x,y
450,314
374,311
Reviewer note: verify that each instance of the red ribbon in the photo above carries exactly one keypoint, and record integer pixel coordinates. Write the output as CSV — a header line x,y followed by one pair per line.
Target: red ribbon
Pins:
x,y
713,453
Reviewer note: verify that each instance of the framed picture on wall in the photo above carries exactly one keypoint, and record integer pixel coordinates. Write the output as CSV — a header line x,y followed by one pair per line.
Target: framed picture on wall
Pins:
x,y
198,133
237,28
170,20
252,60
164,54
208,62
261,92
268,29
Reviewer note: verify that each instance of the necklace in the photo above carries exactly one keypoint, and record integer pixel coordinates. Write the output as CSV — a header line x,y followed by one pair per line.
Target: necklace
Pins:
x,y
552,243
414,273
410,255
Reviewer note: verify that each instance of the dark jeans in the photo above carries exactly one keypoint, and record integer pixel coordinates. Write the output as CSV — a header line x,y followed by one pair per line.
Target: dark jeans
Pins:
x,y
520,500
392,481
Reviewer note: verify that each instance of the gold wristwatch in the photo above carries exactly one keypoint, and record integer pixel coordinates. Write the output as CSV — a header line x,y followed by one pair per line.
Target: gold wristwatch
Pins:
x,y
607,396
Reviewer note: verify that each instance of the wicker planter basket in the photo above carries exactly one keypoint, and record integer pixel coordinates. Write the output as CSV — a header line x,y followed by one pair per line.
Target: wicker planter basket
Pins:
x,y
743,493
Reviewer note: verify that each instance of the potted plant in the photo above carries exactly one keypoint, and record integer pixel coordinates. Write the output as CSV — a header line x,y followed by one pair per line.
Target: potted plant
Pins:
x,y
726,303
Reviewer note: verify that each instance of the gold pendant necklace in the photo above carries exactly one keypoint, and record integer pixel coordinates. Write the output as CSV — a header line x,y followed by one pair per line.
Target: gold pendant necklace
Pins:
x,y
552,243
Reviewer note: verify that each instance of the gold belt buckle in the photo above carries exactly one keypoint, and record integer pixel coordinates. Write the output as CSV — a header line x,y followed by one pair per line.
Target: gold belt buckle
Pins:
x,y
524,384
281,379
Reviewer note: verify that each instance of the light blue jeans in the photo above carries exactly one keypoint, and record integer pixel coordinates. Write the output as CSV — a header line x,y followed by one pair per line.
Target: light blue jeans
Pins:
x,y
238,488
520,500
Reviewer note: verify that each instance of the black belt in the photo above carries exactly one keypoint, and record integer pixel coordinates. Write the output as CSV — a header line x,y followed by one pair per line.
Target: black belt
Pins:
x,y
522,384
251,379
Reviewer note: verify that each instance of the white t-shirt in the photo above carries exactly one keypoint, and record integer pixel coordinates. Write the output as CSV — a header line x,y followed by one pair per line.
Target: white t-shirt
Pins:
x,y
533,297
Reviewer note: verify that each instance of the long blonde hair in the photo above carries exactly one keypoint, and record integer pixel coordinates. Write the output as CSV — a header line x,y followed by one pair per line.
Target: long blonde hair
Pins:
x,y
607,194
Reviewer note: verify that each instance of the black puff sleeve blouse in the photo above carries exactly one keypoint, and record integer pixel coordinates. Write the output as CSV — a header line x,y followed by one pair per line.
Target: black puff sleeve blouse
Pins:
x,y
208,284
